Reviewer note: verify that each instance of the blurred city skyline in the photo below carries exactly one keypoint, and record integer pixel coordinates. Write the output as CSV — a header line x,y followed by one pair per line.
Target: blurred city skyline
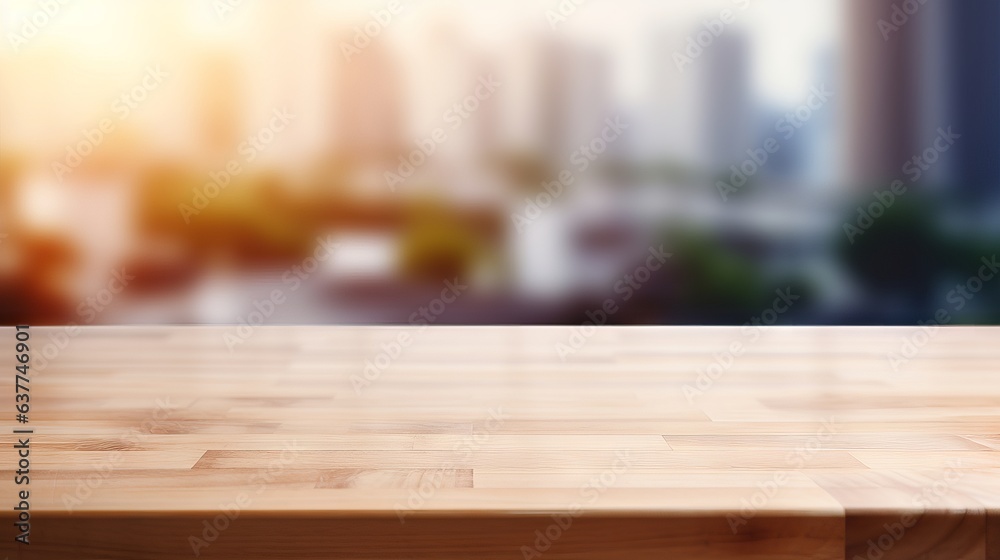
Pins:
x,y
537,152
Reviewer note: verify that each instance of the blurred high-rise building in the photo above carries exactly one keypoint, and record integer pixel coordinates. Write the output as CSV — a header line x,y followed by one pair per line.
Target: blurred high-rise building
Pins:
x,y
913,72
575,92
728,101
370,116
671,131
884,72
219,106
971,77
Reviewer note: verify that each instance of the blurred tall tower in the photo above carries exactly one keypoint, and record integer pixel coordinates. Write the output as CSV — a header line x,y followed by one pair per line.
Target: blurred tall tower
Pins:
x,y
883,84
728,103
219,105
555,97
672,130
575,94
972,75
370,117
822,155
451,68
939,68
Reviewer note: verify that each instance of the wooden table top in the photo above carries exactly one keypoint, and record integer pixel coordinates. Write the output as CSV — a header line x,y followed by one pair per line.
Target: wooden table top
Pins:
x,y
508,442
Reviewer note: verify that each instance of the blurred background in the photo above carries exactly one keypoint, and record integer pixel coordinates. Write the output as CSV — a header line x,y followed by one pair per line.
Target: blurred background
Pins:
x,y
190,161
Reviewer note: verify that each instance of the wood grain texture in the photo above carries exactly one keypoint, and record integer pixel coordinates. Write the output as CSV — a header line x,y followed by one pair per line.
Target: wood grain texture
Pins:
x,y
483,442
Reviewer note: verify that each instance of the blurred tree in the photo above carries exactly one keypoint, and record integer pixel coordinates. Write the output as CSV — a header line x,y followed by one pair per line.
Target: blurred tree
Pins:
x,y
437,246
899,258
